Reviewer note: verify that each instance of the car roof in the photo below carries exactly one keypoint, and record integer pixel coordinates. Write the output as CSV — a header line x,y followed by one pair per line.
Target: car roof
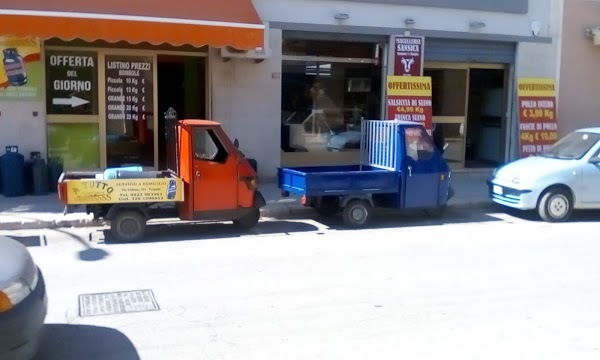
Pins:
x,y
595,130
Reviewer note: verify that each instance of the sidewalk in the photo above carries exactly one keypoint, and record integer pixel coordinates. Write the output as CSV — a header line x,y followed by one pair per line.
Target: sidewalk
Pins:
x,y
38,212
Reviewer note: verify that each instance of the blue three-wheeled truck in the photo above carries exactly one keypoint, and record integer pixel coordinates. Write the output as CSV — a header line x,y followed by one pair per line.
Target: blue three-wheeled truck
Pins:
x,y
400,168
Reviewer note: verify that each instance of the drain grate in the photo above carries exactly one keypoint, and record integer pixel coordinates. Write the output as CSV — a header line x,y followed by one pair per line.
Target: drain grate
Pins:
x,y
121,302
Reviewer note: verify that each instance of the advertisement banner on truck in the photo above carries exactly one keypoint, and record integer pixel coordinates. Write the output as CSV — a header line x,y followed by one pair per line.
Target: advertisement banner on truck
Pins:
x,y
537,115
409,99
115,191
20,68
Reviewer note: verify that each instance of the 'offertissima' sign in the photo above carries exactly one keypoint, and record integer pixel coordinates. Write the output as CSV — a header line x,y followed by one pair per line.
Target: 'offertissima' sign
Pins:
x,y
537,115
409,99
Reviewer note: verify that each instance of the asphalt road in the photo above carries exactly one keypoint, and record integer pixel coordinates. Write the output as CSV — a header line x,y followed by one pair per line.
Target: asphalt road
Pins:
x,y
475,284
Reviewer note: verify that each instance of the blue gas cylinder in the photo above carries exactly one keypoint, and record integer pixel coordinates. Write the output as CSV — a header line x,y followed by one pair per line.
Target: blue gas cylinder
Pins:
x,y
39,172
14,67
13,172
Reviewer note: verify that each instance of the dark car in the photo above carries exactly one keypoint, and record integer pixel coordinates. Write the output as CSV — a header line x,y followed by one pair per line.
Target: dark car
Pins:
x,y
23,301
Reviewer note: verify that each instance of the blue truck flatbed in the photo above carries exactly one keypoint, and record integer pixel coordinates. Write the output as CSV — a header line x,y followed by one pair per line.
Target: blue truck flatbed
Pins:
x,y
338,180
400,168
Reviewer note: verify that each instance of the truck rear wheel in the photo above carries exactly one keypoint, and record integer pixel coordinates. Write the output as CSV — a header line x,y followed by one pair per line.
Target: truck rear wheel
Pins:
x,y
357,213
249,220
128,225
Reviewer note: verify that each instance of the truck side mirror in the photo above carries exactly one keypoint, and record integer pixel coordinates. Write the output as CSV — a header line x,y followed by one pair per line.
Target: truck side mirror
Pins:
x,y
595,160
236,143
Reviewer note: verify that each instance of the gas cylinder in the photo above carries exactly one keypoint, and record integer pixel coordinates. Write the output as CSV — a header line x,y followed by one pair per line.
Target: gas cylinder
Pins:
x,y
39,171
14,67
13,172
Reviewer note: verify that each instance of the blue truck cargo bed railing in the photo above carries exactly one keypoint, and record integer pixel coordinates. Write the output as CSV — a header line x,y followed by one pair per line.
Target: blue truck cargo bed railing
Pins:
x,y
379,145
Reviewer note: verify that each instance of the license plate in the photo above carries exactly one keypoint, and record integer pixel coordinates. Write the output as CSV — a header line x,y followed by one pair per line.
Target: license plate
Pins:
x,y
497,189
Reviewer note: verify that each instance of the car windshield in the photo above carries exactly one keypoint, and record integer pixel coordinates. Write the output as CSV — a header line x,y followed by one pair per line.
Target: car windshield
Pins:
x,y
573,146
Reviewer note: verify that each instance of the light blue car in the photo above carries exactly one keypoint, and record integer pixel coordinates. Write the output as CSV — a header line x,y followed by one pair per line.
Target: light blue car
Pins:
x,y
563,178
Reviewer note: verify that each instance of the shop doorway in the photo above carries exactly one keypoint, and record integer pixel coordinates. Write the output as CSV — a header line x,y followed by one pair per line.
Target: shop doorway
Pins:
x,y
486,125
469,107
181,86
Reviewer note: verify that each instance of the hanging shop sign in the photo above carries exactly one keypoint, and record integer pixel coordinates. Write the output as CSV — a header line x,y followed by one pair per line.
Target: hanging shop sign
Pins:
x,y
129,88
409,99
537,115
71,82
20,69
408,55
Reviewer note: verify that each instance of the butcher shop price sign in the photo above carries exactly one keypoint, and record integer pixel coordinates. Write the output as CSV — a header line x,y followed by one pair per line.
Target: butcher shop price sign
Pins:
x,y
537,115
72,82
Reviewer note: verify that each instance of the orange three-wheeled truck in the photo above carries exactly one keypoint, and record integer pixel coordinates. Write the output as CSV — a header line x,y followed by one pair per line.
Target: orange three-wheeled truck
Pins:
x,y
207,178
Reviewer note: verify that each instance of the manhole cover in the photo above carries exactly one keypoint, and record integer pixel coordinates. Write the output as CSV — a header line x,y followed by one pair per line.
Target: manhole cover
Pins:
x,y
121,302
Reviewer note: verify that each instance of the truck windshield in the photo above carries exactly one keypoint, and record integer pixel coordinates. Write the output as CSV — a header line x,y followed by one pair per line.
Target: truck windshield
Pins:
x,y
573,146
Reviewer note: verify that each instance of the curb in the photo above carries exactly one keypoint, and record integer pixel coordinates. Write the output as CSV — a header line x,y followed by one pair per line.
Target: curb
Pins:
x,y
273,211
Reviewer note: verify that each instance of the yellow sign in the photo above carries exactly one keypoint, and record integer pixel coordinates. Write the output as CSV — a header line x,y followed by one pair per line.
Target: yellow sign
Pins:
x,y
536,87
20,68
91,191
409,85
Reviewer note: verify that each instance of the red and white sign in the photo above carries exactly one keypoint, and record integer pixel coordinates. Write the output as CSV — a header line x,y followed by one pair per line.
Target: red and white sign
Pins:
x,y
408,55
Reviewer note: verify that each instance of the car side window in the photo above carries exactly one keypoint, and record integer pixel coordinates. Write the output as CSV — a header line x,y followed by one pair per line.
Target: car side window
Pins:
x,y
208,147
418,144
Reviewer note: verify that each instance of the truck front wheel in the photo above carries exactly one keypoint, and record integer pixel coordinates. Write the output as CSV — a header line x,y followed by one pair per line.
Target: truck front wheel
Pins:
x,y
357,213
249,220
128,225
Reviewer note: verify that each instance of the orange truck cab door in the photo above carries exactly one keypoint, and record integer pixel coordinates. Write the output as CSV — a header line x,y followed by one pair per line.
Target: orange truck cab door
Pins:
x,y
214,173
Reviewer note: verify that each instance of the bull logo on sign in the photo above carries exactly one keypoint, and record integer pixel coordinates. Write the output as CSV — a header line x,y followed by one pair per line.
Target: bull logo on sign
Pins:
x,y
408,63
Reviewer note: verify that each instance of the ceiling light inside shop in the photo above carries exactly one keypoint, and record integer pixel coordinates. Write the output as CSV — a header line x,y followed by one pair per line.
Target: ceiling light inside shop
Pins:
x,y
476,24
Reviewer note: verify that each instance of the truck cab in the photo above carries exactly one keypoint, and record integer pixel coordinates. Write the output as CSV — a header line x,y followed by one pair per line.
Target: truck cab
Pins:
x,y
207,178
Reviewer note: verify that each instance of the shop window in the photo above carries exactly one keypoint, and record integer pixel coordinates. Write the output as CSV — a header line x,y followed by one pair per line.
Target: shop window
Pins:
x,y
323,105
77,146
208,147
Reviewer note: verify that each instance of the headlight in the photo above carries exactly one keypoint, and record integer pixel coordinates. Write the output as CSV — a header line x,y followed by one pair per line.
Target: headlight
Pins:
x,y
17,291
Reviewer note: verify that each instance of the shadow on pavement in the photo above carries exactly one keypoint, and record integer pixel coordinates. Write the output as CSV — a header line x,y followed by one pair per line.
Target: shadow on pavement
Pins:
x,y
211,231
66,342
89,253
386,219
577,216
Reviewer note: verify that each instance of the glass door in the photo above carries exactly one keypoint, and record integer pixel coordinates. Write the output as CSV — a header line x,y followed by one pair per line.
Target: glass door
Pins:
x,y
450,88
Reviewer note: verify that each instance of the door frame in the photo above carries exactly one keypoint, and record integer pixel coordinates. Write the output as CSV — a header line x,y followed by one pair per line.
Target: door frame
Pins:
x,y
463,119
100,119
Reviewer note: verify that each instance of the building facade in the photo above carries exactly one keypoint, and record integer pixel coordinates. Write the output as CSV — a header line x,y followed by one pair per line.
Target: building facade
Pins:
x,y
296,96
580,55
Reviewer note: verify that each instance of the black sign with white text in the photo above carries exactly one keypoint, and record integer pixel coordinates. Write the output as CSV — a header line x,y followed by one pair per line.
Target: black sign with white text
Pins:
x,y
129,88
71,82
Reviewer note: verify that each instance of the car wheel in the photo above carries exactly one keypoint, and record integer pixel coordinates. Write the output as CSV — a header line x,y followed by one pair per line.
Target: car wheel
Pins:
x,y
555,205
249,220
357,213
128,225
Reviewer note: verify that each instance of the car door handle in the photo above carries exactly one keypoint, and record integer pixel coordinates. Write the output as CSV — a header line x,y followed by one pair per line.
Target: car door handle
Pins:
x,y
197,173
409,170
